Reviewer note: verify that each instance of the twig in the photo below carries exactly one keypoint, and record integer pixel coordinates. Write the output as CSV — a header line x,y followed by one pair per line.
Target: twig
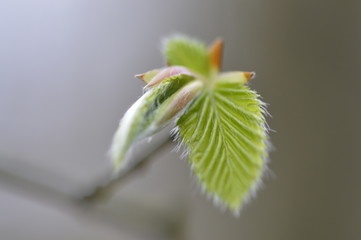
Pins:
x,y
85,209
104,193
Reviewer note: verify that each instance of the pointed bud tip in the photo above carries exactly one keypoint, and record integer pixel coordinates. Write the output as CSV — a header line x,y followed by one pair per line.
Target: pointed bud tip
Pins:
x,y
140,76
216,52
250,75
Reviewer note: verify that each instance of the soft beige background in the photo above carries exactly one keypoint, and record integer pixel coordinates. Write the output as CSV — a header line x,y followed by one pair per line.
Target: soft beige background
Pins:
x,y
66,77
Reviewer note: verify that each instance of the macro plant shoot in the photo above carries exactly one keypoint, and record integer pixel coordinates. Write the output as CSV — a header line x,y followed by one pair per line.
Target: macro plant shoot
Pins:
x,y
217,118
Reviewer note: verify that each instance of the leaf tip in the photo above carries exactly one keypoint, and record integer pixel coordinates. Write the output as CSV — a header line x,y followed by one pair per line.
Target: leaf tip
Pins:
x,y
147,76
140,76
249,75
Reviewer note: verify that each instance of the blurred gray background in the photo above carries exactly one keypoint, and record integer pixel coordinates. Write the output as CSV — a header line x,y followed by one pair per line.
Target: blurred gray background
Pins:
x,y
66,78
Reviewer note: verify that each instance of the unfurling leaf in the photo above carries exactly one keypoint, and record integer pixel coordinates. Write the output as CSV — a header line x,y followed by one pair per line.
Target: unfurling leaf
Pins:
x,y
143,118
218,118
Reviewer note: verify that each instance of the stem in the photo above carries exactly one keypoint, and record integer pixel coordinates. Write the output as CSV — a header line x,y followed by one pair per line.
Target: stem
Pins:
x,y
104,193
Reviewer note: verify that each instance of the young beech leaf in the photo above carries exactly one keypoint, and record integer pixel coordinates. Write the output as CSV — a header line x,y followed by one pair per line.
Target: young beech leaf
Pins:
x,y
225,135
219,119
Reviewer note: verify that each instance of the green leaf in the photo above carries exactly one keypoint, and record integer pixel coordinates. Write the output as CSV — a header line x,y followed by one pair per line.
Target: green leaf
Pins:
x,y
224,132
189,53
147,116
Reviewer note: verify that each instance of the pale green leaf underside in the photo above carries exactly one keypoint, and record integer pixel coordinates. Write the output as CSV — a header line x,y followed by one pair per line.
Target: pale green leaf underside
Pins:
x,y
183,51
225,135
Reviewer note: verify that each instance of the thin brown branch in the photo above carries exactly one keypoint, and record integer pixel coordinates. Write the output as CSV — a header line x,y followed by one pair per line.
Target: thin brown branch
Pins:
x,y
104,193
